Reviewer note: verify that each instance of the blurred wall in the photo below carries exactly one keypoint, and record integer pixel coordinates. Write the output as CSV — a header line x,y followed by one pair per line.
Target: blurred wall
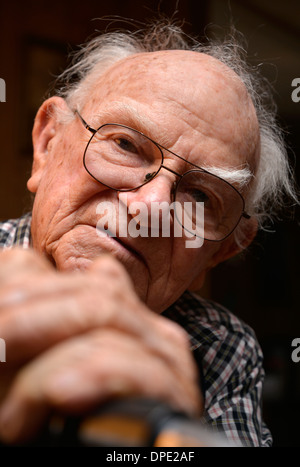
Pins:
x,y
262,287
35,37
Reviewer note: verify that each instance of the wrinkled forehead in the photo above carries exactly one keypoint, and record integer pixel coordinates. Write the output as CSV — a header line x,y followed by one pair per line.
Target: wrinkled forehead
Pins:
x,y
165,73
185,86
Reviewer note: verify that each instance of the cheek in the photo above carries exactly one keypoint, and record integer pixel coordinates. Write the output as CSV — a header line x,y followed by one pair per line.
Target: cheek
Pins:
x,y
174,274
52,194
53,191
190,259
63,172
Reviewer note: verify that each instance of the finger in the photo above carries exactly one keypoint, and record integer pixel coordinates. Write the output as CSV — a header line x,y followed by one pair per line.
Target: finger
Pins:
x,y
36,315
86,371
110,363
17,262
43,324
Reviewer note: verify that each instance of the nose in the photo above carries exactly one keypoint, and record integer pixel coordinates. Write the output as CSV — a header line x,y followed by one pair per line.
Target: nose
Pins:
x,y
149,205
158,190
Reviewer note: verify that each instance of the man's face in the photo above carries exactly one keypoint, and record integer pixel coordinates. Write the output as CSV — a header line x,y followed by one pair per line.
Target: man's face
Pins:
x,y
186,101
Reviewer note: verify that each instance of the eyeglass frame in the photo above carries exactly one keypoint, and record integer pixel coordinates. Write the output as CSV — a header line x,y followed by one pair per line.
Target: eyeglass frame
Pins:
x,y
175,184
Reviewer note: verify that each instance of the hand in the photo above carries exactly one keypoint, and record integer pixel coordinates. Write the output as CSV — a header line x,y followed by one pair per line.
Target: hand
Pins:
x,y
74,340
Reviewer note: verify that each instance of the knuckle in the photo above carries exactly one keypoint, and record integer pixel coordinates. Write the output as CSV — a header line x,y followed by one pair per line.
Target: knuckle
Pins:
x,y
17,261
16,254
109,265
175,333
111,273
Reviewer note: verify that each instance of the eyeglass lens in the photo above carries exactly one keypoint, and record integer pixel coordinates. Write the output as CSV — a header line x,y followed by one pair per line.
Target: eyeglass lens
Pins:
x,y
124,159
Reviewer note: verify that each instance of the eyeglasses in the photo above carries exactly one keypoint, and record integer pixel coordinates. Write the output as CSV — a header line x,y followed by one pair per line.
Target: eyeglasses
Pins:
x,y
124,159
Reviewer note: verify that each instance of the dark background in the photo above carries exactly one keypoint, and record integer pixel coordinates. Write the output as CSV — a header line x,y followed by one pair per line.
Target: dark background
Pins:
x,y
262,287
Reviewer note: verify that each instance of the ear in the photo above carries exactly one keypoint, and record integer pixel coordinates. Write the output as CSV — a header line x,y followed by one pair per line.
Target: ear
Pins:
x,y
44,130
229,247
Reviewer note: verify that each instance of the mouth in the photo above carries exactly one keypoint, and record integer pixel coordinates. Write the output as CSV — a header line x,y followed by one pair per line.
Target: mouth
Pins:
x,y
131,250
123,245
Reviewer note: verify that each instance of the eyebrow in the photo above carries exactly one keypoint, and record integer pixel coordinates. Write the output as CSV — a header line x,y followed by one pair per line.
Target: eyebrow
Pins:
x,y
233,175
125,114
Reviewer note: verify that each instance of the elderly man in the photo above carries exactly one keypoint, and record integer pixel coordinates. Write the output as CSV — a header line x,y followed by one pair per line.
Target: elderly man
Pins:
x,y
88,316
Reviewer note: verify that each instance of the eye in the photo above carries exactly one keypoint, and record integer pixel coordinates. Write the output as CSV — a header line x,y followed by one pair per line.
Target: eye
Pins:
x,y
199,196
126,145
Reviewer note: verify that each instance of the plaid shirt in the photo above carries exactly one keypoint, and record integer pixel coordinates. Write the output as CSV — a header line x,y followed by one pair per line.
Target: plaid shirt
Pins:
x,y
225,348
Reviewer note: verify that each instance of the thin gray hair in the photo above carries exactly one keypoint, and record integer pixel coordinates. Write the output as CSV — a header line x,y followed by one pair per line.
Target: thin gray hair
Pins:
x,y
272,187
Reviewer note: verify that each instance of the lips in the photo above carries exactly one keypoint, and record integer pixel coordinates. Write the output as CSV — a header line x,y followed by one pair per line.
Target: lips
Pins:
x,y
131,250
123,243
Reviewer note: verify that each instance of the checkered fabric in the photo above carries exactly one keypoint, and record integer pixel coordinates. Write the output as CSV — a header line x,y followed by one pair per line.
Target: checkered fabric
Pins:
x,y
15,232
231,361
226,350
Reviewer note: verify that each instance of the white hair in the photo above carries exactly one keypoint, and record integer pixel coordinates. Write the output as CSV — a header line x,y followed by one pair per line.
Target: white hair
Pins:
x,y
273,183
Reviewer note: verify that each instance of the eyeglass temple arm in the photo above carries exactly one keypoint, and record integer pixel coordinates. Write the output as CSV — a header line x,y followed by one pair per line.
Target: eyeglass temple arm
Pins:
x,y
85,124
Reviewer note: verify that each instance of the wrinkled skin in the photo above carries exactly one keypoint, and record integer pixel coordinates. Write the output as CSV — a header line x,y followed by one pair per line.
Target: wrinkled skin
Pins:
x,y
82,326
